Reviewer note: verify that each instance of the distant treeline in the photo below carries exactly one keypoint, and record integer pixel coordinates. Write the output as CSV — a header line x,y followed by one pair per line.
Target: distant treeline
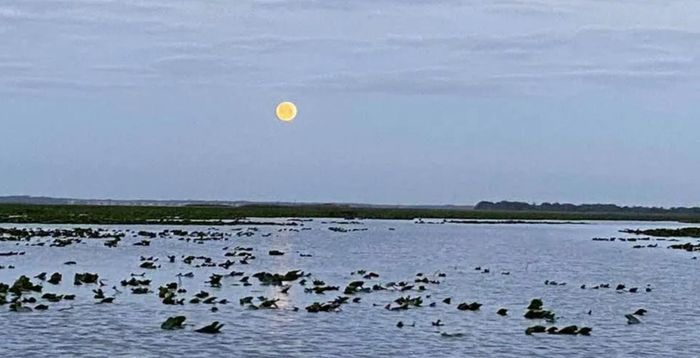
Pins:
x,y
584,208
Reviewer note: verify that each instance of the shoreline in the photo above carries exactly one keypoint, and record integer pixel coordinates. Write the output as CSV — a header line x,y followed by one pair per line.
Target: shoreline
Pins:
x,y
198,215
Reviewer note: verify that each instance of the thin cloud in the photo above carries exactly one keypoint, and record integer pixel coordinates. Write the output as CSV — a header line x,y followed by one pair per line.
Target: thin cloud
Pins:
x,y
145,44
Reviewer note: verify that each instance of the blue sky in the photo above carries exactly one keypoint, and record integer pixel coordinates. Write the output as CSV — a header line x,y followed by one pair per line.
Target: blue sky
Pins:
x,y
400,101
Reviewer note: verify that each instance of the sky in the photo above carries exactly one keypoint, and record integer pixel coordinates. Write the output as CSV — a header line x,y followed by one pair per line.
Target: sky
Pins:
x,y
400,101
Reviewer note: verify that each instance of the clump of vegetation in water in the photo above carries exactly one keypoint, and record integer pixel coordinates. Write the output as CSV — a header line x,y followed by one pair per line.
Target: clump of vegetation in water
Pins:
x,y
682,232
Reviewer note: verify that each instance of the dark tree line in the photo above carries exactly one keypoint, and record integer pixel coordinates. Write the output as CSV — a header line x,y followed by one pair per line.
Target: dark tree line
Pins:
x,y
583,208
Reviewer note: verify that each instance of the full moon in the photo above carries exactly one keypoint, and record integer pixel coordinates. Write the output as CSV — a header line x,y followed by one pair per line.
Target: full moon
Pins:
x,y
286,111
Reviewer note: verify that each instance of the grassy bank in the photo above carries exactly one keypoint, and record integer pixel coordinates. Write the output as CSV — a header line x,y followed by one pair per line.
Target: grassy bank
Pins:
x,y
81,214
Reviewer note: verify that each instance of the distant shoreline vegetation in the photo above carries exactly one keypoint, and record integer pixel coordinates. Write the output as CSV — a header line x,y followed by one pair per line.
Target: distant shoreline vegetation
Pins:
x,y
583,208
215,214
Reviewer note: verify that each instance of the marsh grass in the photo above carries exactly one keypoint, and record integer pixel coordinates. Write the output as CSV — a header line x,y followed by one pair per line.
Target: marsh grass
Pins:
x,y
184,215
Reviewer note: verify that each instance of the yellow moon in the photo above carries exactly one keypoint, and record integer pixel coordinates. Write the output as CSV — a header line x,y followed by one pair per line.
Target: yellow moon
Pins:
x,y
286,111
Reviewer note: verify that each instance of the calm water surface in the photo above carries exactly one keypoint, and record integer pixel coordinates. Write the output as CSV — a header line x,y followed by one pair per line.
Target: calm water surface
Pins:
x,y
531,253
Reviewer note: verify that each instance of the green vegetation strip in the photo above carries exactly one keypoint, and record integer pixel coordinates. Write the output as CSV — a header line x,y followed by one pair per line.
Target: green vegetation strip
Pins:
x,y
83,214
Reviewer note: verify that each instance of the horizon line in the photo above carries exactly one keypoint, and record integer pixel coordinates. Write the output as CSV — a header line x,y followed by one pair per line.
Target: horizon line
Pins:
x,y
292,202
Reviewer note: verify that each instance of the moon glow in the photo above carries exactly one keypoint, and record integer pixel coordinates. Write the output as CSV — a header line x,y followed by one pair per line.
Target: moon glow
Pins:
x,y
286,111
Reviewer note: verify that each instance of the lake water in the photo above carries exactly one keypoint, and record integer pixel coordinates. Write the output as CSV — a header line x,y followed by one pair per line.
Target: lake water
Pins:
x,y
531,253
